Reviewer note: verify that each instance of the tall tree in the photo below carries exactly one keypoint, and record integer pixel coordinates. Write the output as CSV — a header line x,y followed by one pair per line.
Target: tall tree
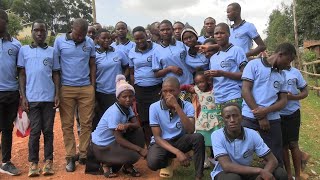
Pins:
x,y
280,27
14,25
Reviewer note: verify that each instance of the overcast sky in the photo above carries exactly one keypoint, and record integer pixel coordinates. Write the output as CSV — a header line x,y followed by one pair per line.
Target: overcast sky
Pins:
x,y
143,12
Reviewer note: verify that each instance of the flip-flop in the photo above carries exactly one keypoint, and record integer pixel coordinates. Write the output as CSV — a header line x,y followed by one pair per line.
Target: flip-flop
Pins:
x,y
168,171
132,172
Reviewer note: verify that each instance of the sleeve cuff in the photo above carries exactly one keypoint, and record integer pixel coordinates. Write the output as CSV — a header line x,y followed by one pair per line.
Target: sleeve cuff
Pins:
x,y
247,79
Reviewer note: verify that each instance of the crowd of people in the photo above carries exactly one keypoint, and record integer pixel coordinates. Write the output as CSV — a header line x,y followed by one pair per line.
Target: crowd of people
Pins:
x,y
167,94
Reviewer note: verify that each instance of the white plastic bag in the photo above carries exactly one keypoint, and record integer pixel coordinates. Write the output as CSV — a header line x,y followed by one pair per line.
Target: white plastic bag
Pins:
x,y
22,123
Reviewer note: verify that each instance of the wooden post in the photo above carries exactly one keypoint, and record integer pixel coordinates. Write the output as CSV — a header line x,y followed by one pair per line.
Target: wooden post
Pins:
x,y
316,79
296,39
94,11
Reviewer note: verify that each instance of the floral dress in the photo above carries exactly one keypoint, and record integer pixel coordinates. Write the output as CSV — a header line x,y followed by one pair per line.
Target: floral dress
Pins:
x,y
207,121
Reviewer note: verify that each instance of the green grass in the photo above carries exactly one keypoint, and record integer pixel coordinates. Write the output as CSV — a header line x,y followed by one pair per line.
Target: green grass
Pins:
x,y
309,140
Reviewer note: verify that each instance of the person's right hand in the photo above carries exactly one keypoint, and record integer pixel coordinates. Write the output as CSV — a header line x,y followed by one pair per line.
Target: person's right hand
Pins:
x,y
25,104
143,152
264,124
266,175
176,70
183,159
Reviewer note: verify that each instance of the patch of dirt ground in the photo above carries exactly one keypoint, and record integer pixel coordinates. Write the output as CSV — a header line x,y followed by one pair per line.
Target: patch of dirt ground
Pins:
x,y
20,160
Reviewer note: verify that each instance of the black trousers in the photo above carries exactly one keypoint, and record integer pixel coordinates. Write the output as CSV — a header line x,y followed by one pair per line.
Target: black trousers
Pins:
x,y
9,103
41,116
279,174
158,157
104,101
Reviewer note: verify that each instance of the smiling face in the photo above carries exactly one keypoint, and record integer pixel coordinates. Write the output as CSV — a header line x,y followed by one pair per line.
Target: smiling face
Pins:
x,y
39,33
105,40
232,118
140,38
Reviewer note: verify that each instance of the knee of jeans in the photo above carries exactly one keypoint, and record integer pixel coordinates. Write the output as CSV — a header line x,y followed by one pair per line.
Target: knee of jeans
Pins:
x,y
293,144
35,132
152,163
198,138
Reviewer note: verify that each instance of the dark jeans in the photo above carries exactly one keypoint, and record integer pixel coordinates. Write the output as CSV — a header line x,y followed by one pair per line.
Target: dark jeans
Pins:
x,y
279,174
41,116
158,157
9,102
104,101
273,138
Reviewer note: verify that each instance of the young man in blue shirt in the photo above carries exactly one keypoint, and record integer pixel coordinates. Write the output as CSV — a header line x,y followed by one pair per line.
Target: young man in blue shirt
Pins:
x,y
172,124
291,120
226,68
39,80
9,94
208,25
122,42
78,79
265,94
169,57
242,32
234,147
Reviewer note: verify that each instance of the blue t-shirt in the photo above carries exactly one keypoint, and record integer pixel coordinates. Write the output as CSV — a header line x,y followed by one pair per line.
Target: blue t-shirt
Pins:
x,y
240,150
109,65
141,62
172,55
230,60
170,124
295,83
267,83
124,47
243,35
74,60
38,64
202,39
198,60
9,49
114,115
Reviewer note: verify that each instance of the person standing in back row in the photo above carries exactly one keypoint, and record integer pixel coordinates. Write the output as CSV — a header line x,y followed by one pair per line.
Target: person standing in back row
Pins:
x,y
208,25
39,80
242,33
9,94
78,79
122,42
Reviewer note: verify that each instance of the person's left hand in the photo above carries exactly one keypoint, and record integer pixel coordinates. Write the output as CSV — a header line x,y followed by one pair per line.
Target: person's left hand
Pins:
x,y
122,127
260,112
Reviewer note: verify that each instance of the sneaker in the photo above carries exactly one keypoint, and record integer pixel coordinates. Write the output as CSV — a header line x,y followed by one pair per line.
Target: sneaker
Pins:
x,y
10,169
48,168
71,165
34,170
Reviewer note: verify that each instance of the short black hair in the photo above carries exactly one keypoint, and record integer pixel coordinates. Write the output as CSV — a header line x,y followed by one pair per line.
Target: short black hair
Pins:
x,y
178,22
225,26
172,80
236,6
209,18
101,31
211,40
199,71
121,23
166,22
39,21
4,15
138,28
287,49
230,104
82,23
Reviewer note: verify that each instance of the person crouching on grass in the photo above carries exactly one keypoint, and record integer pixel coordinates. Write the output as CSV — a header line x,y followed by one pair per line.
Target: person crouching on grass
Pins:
x,y
172,123
118,140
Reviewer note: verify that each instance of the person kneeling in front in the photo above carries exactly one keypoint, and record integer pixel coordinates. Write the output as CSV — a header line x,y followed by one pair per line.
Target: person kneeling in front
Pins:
x,y
118,140
172,124
234,146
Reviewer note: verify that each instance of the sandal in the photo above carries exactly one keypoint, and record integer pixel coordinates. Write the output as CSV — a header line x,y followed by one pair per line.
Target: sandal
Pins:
x,y
109,173
168,171
131,171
